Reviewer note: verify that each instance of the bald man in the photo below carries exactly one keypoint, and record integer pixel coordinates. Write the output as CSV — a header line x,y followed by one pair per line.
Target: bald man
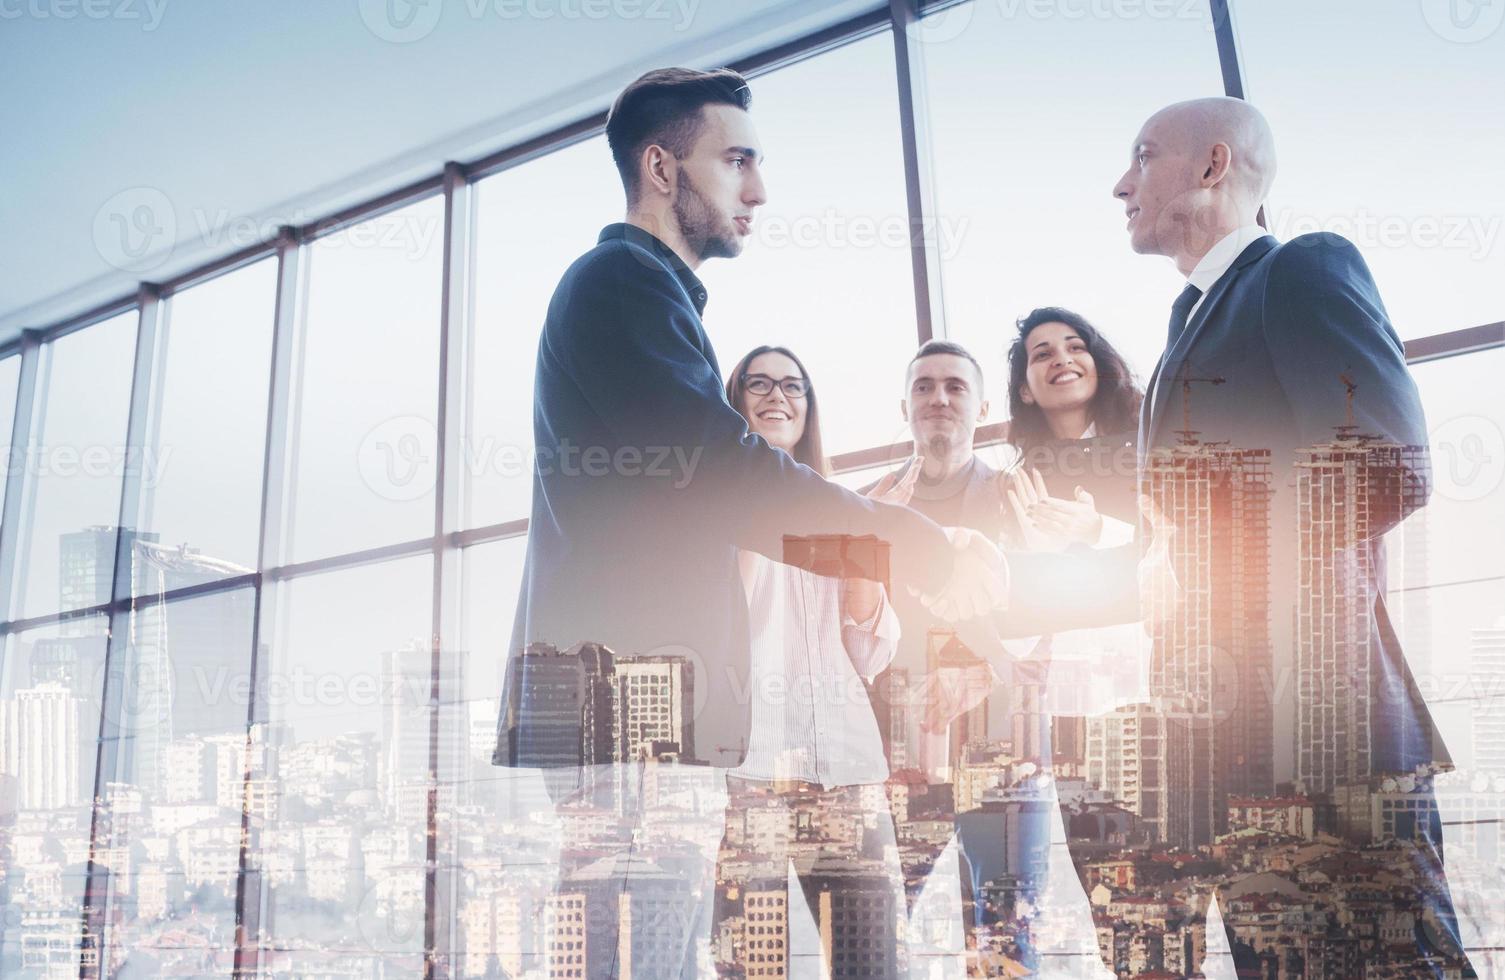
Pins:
x,y
1275,325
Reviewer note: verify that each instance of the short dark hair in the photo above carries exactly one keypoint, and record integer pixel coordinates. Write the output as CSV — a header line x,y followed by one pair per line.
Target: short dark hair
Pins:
x,y
932,347
664,107
1115,407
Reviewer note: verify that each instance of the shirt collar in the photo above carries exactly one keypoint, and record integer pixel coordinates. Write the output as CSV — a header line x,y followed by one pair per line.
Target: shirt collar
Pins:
x,y
637,236
1222,255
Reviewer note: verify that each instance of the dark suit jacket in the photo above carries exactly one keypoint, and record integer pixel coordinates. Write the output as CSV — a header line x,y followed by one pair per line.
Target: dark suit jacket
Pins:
x,y
646,483
1279,327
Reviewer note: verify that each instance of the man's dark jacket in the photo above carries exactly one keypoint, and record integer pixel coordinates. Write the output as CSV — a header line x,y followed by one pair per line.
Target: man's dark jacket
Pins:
x,y
647,481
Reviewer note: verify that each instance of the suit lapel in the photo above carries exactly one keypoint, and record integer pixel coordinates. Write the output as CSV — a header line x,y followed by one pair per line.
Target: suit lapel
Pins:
x,y
1168,371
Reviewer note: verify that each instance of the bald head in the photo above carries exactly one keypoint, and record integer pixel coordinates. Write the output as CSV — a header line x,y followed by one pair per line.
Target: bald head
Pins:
x,y
1198,171
1196,126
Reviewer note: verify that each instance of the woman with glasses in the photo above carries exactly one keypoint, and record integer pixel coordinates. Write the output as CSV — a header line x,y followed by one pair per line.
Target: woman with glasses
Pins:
x,y
810,792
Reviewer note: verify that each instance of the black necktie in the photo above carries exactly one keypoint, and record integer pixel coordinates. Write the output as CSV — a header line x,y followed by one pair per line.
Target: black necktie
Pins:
x,y
1180,310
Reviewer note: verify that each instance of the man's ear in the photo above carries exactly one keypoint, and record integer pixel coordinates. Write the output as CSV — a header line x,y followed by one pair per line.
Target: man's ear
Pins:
x,y
982,411
659,169
1217,164
904,408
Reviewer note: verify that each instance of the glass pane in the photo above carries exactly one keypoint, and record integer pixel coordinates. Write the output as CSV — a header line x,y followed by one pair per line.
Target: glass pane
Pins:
x,y
201,481
10,374
180,780
828,272
531,223
339,771
74,466
1412,177
1459,536
497,828
1029,137
49,726
1464,630
365,428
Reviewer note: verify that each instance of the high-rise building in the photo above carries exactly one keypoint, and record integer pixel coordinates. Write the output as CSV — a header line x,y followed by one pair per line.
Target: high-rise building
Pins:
x,y
764,953
600,929
1122,747
945,656
566,698
408,715
1213,659
39,746
653,703
172,681
855,908
1489,707
1347,492
86,567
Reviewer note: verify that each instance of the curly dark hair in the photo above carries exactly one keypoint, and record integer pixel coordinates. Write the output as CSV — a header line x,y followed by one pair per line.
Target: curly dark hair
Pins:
x,y
1115,406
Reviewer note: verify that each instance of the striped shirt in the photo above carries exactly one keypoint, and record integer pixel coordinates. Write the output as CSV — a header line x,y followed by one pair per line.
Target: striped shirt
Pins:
x,y
811,718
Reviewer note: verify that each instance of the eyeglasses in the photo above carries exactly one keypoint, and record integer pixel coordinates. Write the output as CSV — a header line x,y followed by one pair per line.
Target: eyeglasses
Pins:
x,y
762,384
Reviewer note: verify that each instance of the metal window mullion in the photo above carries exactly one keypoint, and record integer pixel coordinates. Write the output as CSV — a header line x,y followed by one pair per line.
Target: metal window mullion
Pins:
x,y
250,893
440,871
1229,57
17,466
110,750
914,134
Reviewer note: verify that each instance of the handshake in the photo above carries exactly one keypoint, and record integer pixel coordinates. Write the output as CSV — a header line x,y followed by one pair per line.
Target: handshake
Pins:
x,y
979,583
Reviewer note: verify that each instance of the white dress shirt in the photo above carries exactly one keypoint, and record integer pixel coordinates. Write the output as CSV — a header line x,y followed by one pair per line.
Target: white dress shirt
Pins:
x,y
811,716
1219,258
1208,272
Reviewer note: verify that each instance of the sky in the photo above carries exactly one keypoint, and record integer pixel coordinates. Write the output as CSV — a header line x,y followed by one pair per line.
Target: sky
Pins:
x,y
1391,136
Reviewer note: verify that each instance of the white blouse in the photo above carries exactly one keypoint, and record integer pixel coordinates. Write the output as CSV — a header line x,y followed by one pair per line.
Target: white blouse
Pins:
x,y
811,716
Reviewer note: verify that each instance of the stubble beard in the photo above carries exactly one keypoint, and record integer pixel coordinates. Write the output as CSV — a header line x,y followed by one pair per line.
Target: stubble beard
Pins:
x,y
700,225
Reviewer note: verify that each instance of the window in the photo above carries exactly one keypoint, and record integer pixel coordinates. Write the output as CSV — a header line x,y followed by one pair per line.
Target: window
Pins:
x,y
339,783
498,827
531,222
181,759
827,273
75,460
10,376
368,388
50,684
1408,171
201,479
1029,138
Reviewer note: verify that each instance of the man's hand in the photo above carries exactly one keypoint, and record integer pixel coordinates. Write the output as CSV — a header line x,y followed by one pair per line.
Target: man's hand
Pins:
x,y
1159,592
979,579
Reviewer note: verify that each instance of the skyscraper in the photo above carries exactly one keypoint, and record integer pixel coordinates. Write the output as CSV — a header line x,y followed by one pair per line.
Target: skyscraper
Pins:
x,y
569,695
946,658
173,652
653,700
39,745
1347,492
1489,708
1212,660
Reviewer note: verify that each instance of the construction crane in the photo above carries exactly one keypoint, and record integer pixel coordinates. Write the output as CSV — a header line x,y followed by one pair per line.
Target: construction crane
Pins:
x,y
1349,427
1186,432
